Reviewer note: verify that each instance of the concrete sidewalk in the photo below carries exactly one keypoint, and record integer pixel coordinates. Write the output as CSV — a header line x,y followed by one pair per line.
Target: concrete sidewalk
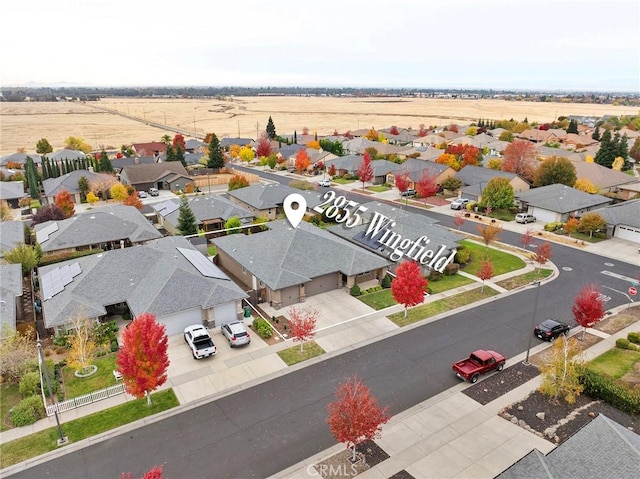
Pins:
x,y
452,436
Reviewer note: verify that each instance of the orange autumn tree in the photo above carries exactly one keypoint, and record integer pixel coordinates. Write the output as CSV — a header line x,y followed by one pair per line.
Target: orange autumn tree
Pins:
x,y
302,161
64,201
132,200
486,272
520,158
143,359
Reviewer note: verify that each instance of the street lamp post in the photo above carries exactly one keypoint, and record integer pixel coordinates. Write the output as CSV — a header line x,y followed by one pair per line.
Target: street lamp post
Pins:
x,y
62,440
533,321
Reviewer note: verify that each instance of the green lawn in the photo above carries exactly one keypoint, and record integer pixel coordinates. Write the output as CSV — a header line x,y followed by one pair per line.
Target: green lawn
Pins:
x,y
378,300
442,305
74,387
524,279
293,355
44,441
502,262
10,394
615,363
212,250
445,283
378,188
341,181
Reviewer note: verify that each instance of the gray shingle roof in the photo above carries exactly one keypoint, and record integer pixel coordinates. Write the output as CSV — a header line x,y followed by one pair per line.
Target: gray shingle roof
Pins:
x,y
226,142
20,158
263,196
626,213
602,449
560,198
66,154
152,172
108,223
286,256
11,233
10,289
69,182
208,208
11,190
473,175
153,278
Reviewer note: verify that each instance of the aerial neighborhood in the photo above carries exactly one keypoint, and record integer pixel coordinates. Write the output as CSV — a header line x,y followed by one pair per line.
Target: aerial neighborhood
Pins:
x,y
197,232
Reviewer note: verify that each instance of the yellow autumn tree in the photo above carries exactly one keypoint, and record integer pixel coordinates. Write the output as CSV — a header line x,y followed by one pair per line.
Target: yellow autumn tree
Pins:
x,y
77,143
494,164
315,144
82,347
618,163
582,184
449,160
234,151
560,372
372,135
91,198
247,154
118,192
588,159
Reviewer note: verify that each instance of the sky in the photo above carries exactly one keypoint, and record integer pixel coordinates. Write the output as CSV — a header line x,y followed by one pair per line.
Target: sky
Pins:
x,y
581,45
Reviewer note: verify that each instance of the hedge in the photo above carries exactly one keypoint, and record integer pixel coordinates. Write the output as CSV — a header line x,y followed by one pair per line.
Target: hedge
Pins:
x,y
58,257
610,391
28,411
634,337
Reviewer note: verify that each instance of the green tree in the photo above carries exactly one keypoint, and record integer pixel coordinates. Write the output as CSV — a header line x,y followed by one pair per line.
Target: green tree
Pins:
x,y
23,254
573,127
498,193
555,170
216,158
166,139
33,180
83,186
179,155
596,133
607,152
77,143
561,371
591,222
105,163
43,146
452,183
233,224
506,136
187,223
271,129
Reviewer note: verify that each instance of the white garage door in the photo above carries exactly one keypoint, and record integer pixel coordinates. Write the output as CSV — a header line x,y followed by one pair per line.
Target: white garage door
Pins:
x,y
545,216
225,313
176,323
627,233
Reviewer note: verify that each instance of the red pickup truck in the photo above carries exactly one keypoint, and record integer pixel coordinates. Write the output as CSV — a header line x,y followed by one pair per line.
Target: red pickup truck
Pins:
x,y
478,362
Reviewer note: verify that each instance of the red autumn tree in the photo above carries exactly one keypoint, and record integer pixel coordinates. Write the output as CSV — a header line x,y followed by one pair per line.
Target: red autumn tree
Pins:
x,y
486,272
153,473
587,309
143,358
264,146
426,185
47,213
402,181
64,201
543,254
458,219
302,161
365,171
520,158
409,285
303,324
178,141
526,238
332,170
355,416
394,130
133,200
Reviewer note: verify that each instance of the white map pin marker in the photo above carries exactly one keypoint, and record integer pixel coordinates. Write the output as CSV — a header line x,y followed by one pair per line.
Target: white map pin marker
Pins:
x,y
294,215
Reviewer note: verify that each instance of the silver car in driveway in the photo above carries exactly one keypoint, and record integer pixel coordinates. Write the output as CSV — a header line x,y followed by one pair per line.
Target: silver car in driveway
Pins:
x,y
236,333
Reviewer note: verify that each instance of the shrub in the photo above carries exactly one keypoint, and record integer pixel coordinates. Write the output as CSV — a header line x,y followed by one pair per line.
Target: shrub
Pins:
x,y
386,281
434,275
114,346
634,337
28,411
355,290
61,339
263,328
610,391
463,256
30,384
553,226
451,269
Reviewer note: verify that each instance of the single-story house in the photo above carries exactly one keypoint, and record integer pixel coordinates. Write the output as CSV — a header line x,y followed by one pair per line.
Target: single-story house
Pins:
x,y
169,175
109,227
475,179
557,203
266,200
540,136
576,142
629,191
12,192
153,148
168,278
432,140
623,220
10,296
11,235
415,168
604,179
602,448
408,226
119,163
544,152
193,145
66,154
20,158
350,164
69,182
285,265
211,213
228,142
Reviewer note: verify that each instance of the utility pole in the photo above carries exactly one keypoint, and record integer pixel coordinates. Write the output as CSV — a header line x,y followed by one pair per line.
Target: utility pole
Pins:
x,y
257,126
533,321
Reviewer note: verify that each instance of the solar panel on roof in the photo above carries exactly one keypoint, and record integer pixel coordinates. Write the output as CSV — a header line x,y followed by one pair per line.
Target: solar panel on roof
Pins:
x,y
54,281
43,234
202,264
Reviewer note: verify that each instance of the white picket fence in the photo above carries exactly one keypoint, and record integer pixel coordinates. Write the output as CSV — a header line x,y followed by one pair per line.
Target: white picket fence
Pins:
x,y
85,399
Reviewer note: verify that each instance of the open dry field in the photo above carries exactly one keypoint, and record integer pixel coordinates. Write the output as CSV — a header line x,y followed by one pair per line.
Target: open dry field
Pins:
x,y
141,120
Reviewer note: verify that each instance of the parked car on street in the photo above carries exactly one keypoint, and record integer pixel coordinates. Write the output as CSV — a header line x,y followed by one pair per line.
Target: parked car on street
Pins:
x,y
236,333
459,203
324,182
478,362
409,193
199,341
550,329
525,218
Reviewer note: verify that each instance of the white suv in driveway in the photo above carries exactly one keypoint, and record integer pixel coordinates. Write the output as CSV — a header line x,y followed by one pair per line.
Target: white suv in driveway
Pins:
x,y
525,218
236,333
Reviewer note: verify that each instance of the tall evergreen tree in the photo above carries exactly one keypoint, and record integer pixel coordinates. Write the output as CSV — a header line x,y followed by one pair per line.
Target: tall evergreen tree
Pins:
x,y
32,178
179,155
170,154
622,145
573,127
596,133
105,163
187,220
271,129
216,158
295,137
607,152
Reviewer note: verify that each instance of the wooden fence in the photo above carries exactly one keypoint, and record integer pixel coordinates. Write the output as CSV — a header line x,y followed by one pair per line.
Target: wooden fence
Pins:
x,y
85,399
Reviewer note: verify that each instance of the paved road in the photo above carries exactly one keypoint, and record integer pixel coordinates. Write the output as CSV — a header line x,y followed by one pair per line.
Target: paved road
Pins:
x,y
262,430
